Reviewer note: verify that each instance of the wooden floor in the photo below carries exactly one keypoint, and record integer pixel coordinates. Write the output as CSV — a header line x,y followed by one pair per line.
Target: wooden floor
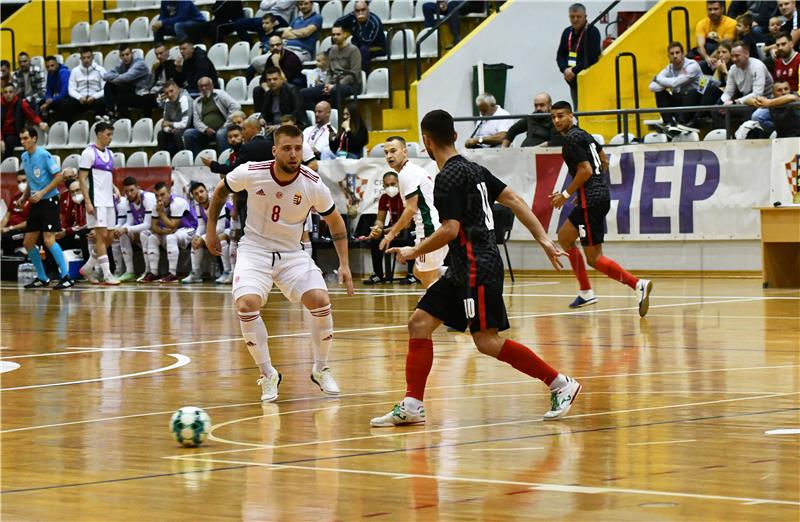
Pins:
x,y
674,421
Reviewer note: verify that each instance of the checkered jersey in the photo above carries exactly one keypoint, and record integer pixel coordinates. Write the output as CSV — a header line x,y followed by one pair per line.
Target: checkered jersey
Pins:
x,y
465,191
580,146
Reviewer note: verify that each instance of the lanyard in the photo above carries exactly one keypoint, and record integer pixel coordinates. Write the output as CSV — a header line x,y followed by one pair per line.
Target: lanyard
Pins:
x,y
569,40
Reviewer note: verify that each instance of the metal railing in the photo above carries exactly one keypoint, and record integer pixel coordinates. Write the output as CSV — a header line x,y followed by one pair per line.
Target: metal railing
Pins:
x,y
622,123
13,47
436,29
685,24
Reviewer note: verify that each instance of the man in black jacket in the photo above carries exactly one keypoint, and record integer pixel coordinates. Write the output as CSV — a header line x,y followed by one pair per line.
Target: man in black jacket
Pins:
x,y
579,48
193,65
367,31
539,131
281,98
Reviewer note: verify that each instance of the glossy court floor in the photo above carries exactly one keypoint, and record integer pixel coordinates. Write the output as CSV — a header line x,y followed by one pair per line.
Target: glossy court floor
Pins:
x,y
676,420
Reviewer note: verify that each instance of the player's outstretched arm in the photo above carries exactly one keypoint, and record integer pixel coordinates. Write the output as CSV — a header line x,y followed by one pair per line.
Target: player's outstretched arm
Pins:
x,y
402,222
339,237
509,198
443,235
218,200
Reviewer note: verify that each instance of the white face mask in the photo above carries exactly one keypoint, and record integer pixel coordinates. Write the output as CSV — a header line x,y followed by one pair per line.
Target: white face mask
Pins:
x,y
22,186
392,191
77,198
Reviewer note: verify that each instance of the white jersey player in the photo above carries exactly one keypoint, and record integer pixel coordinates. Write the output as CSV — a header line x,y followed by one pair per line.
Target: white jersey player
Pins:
x,y
141,205
199,204
280,195
121,207
97,184
173,229
416,187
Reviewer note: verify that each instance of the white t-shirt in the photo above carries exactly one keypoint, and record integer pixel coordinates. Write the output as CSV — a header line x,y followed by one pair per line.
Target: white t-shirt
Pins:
x,y
199,211
277,212
308,152
317,137
148,201
414,180
122,211
491,127
101,181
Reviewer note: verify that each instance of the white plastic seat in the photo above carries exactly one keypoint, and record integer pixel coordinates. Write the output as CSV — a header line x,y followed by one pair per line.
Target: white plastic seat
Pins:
x,y
111,60
334,118
72,61
223,157
140,30
325,45
10,164
183,158
119,160
99,33
156,130
377,151
248,12
137,53
205,153
206,16
137,160
619,139
401,11
331,12
38,61
71,162
396,45
218,54
413,149
122,133
250,88
142,133
58,135
160,158
430,46
58,159
686,137
716,135
79,134
98,58
80,33
150,58
379,8
174,52
599,139
237,88
119,30
255,51
419,16
655,137
239,56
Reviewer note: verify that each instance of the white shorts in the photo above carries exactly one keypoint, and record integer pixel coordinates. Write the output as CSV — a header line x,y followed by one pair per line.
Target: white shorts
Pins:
x,y
432,260
183,235
294,273
104,217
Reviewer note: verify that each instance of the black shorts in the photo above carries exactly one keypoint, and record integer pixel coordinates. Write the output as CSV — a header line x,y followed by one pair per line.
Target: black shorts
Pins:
x,y
44,216
591,223
483,309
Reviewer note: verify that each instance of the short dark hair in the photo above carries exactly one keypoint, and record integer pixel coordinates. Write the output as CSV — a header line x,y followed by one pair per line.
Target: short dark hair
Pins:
x,y
130,180
158,186
783,34
291,131
102,127
194,185
271,70
268,15
170,83
6,63
23,53
340,25
744,46
396,138
234,127
85,50
186,40
439,127
561,105
123,46
746,19
50,58
30,130
672,45
720,2
389,173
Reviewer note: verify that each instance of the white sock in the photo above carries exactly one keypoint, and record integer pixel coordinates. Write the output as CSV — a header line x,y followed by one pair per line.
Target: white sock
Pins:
x,y
307,246
254,332
197,261
321,335
559,382
116,253
172,253
105,267
412,404
234,250
226,256
127,252
90,263
586,294
153,253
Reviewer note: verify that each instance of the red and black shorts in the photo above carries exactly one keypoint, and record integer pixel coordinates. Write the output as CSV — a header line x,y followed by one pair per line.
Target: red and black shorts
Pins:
x,y
479,308
591,223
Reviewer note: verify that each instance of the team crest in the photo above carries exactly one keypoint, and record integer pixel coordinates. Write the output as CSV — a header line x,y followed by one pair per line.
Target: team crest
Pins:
x,y
279,195
793,177
297,198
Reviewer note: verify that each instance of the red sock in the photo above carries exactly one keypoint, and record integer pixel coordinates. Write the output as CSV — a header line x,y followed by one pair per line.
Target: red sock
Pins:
x,y
419,360
579,267
523,359
612,269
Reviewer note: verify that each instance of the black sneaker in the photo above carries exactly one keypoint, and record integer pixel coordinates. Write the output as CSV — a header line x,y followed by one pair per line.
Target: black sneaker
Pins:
x,y
374,279
409,280
64,283
37,283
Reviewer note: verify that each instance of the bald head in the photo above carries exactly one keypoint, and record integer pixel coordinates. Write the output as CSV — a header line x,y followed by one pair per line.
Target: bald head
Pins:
x,y
250,128
322,113
542,102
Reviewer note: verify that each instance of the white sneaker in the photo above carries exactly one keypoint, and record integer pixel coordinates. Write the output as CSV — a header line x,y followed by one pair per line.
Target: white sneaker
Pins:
x,y
399,416
110,281
225,278
191,278
269,386
561,400
325,381
643,289
89,275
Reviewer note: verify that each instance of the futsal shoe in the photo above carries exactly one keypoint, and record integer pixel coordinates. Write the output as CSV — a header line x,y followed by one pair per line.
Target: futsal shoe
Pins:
x,y
643,289
147,278
269,386
325,381
127,277
374,279
399,416
37,283
191,278
66,282
168,279
89,275
110,281
561,400
225,278
580,302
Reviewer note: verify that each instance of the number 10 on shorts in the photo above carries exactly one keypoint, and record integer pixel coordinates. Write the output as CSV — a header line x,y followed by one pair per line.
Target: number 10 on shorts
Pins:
x,y
469,307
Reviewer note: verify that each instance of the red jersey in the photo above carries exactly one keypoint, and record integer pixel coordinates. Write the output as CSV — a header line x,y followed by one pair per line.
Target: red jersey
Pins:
x,y
394,206
17,214
73,214
788,72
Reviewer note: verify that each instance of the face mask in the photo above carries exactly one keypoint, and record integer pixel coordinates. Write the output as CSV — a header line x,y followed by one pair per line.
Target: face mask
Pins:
x,y
22,186
77,198
392,191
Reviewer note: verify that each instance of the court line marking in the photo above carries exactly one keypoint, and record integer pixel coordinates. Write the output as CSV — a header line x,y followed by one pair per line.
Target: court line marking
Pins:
x,y
509,449
792,431
538,486
662,442
253,447
8,366
398,390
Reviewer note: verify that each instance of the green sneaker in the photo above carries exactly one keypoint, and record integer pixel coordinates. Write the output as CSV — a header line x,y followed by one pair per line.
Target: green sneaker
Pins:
x,y
127,277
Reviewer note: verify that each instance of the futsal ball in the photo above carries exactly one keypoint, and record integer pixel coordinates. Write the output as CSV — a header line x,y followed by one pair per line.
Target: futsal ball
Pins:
x,y
190,425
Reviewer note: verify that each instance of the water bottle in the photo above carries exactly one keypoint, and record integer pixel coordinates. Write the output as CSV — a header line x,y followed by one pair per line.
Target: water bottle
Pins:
x,y
26,273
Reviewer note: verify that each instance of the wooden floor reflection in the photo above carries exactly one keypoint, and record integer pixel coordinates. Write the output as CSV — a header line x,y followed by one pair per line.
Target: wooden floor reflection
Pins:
x,y
673,422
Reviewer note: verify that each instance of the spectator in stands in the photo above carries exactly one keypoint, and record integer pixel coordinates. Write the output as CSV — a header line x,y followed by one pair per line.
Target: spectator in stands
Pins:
x,y
714,28
178,112
281,10
318,135
748,78
178,18
286,62
16,113
773,114
279,99
224,13
538,131
237,118
193,65
345,76
126,84
676,85
578,49
5,73
29,81
489,133
264,26
268,30
255,147
321,74
163,70
787,62
211,115
57,87
788,9
235,140
302,34
430,10
367,31
72,207
352,137
744,32
759,11
15,221
391,204
85,87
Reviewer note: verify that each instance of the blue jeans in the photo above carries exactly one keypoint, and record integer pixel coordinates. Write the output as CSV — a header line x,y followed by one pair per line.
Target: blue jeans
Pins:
x,y
763,117
195,141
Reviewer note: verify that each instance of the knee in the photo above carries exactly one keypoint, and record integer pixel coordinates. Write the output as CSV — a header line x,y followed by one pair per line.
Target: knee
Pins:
x,y
488,345
28,244
591,258
418,327
49,240
248,303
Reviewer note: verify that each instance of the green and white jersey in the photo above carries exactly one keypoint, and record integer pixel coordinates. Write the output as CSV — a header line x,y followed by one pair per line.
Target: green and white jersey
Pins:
x,y
415,181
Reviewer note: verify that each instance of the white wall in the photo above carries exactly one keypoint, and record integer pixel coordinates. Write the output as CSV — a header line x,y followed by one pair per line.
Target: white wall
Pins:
x,y
526,35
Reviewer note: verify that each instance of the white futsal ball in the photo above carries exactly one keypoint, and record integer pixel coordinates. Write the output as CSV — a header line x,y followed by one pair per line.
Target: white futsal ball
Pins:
x,y
190,425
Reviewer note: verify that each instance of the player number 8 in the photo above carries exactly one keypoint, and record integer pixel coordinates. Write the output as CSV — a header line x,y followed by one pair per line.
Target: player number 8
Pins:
x,y
276,213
